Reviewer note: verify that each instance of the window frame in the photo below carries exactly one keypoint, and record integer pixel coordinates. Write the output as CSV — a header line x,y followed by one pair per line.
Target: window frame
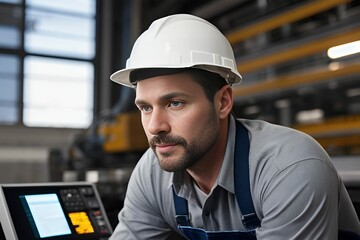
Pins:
x,y
21,53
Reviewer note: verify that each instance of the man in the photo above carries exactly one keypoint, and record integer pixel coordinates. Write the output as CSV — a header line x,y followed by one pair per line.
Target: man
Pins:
x,y
183,187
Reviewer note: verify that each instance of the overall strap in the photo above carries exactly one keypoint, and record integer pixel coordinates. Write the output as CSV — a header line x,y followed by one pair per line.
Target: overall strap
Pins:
x,y
242,179
242,185
181,210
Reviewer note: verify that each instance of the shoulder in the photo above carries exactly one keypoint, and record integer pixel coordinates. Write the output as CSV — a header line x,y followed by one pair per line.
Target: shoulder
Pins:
x,y
283,155
283,146
291,175
148,207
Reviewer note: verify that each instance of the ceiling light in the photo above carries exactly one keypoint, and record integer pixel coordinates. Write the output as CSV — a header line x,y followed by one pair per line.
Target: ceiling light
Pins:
x,y
333,66
310,116
344,50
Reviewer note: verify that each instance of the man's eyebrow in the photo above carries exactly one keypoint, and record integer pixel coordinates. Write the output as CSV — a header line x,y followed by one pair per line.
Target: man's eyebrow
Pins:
x,y
140,102
174,95
165,97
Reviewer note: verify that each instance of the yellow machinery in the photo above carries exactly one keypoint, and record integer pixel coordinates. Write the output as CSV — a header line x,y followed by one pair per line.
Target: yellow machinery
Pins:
x,y
124,134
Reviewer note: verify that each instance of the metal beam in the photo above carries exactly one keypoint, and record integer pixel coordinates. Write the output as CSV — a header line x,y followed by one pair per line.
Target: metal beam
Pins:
x,y
294,80
302,50
293,15
345,125
339,141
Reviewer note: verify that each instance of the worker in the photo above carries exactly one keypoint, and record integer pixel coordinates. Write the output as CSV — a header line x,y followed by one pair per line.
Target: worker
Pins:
x,y
208,175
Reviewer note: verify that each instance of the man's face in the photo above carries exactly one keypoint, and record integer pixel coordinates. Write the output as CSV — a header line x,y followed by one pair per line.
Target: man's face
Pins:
x,y
180,123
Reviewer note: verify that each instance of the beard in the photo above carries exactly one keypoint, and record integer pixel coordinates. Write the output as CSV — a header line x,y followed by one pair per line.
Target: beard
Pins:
x,y
204,139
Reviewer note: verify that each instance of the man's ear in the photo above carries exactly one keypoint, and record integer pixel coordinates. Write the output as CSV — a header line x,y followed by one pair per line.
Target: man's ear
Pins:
x,y
225,99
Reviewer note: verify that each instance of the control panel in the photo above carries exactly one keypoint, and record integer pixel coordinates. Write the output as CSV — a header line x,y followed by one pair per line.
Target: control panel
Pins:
x,y
53,211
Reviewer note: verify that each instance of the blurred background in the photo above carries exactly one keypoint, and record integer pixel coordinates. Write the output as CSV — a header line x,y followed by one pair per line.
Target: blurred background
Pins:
x,y
62,119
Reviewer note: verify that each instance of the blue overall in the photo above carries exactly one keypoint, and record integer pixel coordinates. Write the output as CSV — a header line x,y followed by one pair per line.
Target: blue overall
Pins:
x,y
243,196
244,199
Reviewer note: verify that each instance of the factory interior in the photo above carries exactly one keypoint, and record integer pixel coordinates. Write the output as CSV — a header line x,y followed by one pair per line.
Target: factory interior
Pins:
x,y
63,120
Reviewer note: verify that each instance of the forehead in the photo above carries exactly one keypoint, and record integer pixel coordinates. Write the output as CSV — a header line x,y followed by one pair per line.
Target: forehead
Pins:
x,y
159,85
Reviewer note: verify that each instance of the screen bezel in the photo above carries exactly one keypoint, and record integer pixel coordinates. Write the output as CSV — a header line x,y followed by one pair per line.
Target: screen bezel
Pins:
x,y
16,224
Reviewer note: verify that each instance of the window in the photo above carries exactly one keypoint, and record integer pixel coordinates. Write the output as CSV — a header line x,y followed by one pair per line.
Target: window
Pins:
x,y
47,52
57,92
9,68
60,27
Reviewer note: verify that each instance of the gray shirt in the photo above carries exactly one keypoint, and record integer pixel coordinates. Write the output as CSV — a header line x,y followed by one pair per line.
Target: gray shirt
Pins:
x,y
296,191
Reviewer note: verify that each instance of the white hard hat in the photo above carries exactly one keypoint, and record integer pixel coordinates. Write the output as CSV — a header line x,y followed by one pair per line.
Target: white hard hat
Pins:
x,y
181,41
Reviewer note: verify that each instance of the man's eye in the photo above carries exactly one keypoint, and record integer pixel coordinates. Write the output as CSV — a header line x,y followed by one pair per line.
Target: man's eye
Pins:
x,y
176,104
145,109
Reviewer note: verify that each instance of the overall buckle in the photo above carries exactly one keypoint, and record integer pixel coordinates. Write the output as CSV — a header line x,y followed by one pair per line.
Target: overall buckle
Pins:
x,y
183,220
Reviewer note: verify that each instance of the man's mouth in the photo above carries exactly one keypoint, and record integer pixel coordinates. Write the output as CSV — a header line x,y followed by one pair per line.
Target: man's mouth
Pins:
x,y
165,144
165,147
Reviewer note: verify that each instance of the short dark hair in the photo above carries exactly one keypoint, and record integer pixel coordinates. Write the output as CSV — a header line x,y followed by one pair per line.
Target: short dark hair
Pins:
x,y
210,82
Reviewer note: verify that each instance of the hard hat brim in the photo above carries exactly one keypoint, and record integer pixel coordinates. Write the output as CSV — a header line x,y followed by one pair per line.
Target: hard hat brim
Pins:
x,y
123,76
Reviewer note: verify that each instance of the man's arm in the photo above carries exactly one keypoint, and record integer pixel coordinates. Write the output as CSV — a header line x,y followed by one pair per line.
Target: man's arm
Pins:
x,y
301,202
141,217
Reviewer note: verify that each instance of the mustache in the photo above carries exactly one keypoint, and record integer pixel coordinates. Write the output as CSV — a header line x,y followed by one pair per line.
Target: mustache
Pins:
x,y
166,139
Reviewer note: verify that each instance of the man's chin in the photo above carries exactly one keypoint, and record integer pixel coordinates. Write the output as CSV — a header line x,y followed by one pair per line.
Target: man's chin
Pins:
x,y
170,165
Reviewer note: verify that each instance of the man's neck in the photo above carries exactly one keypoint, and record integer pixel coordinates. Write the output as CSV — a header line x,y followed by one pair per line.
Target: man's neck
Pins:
x,y
206,171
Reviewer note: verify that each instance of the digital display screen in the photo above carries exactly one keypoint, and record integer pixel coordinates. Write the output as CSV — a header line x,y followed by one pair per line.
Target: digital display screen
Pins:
x,y
46,214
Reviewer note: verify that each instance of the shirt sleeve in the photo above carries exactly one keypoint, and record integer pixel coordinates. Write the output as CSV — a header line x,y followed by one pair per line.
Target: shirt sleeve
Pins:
x,y
301,202
141,218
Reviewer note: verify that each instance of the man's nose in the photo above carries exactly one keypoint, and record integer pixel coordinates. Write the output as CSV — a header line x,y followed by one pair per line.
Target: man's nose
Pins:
x,y
158,122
